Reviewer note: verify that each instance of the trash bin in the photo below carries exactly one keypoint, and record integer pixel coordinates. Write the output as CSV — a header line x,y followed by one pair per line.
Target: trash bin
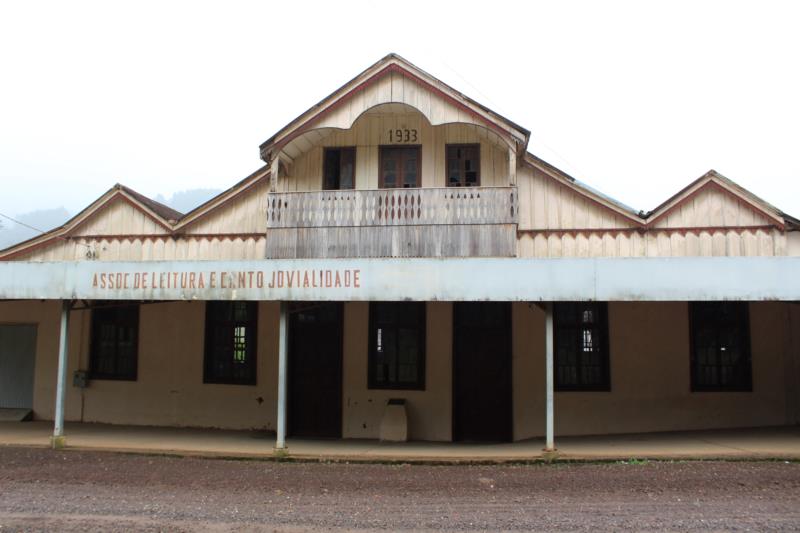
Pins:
x,y
394,424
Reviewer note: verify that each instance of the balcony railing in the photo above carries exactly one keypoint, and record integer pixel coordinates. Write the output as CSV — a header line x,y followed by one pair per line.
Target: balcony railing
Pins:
x,y
393,207
424,222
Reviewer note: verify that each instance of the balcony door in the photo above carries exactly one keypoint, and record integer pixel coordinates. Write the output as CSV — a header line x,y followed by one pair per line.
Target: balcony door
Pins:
x,y
400,167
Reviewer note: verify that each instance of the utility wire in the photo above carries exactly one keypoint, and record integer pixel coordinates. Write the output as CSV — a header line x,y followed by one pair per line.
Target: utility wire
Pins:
x,y
40,230
489,101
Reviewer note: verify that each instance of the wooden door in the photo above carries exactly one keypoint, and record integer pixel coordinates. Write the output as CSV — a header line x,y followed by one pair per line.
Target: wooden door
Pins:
x,y
482,371
400,167
315,370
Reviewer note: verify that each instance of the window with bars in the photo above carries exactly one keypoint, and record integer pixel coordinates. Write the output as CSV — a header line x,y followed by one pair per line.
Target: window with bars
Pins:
x,y
463,165
231,332
581,346
720,341
113,348
397,345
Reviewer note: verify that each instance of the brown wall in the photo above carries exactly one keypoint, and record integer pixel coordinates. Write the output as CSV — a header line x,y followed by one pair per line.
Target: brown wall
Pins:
x,y
649,350
169,389
650,376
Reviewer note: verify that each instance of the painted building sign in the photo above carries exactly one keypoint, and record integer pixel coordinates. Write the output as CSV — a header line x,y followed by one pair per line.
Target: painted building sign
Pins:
x,y
211,279
469,279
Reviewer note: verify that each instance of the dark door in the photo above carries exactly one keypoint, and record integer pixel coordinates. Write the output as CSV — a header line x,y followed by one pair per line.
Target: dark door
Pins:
x,y
482,371
17,357
315,370
400,167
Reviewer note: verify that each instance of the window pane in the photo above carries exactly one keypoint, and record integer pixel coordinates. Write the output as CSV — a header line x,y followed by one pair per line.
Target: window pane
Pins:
x,y
397,346
581,349
230,342
720,346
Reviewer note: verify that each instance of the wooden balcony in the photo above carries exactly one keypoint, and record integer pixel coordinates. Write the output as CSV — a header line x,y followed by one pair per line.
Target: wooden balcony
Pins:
x,y
425,222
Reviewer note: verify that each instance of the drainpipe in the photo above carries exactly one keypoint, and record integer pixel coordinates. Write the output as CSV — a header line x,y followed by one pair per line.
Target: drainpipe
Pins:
x,y
548,347
58,440
280,441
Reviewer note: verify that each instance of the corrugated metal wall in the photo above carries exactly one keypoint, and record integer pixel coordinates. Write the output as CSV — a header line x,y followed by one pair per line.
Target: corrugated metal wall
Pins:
x,y
17,358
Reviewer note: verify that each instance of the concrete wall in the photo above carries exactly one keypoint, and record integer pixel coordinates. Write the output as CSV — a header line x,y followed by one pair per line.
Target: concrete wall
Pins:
x,y
650,379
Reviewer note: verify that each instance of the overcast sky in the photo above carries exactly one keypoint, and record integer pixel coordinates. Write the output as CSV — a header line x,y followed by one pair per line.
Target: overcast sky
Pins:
x,y
635,98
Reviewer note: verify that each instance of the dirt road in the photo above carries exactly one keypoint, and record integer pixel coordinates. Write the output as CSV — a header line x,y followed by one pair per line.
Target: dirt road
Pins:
x,y
79,491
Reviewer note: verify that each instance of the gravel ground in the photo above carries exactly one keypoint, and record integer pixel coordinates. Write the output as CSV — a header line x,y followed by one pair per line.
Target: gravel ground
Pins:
x,y
87,491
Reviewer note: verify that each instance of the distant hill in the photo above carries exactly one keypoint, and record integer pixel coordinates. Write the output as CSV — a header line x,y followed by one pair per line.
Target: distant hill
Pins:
x,y
47,219
43,219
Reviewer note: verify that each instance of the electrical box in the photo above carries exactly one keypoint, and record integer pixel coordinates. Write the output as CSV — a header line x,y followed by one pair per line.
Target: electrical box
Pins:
x,y
80,379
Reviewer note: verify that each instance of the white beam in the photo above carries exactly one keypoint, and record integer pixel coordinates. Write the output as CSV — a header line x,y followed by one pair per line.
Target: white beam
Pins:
x,y
58,440
332,280
548,349
283,358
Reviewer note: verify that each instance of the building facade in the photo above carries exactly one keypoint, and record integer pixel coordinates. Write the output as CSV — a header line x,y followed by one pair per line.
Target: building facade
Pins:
x,y
400,243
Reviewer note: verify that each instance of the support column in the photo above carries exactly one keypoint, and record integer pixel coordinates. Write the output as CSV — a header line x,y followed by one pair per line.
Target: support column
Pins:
x,y
548,347
273,174
58,440
283,357
512,166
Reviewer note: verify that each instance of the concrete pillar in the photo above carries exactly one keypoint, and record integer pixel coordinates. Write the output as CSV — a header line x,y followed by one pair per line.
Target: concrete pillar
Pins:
x,y
58,440
283,357
548,348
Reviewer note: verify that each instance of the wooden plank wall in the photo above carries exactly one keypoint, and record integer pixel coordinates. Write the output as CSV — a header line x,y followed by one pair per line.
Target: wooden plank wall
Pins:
x,y
372,131
154,248
488,240
557,222
246,213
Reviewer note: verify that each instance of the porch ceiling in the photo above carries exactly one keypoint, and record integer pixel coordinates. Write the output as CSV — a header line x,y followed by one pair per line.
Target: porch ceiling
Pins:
x,y
466,279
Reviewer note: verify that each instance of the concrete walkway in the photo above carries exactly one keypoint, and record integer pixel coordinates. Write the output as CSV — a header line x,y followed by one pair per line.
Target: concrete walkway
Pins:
x,y
756,443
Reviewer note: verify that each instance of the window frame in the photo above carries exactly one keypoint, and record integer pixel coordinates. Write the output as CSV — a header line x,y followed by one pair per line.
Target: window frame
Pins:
x,y
94,329
383,147
251,346
422,334
455,146
743,315
340,149
601,309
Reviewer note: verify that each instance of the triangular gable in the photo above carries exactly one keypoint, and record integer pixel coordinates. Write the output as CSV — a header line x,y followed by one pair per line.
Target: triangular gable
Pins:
x,y
404,83
726,193
118,197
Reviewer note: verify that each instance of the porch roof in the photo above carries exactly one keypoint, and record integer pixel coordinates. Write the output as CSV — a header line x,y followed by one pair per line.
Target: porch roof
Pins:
x,y
463,279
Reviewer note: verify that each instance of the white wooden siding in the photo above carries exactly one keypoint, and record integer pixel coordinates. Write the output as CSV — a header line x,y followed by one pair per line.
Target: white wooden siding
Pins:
x,y
120,218
711,207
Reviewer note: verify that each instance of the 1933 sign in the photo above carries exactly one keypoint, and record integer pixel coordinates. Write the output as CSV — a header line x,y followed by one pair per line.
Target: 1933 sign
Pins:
x,y
403,135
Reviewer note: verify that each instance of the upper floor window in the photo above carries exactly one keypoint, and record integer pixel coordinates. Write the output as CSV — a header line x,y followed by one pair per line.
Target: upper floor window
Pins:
x,y
397,345
113,349
463,165
230,355
720,344
400,167
581,346
339,168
